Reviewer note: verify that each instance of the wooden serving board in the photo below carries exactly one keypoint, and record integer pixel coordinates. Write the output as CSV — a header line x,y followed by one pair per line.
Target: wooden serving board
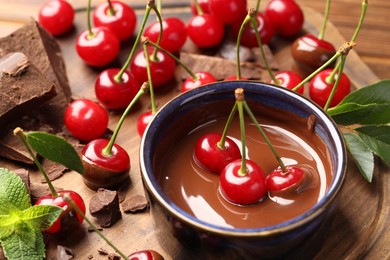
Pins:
x,y
359,227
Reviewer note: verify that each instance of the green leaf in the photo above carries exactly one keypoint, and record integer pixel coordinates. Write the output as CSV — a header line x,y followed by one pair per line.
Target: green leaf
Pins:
x,y
41,217
55,149
361,154
368,105
13,193
377,138
15,248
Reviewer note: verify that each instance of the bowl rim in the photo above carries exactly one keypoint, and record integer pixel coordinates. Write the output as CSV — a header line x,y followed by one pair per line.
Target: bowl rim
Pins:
x,y
289,225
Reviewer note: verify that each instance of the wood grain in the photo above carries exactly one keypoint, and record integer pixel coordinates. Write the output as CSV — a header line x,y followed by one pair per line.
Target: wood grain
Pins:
x,y
358,229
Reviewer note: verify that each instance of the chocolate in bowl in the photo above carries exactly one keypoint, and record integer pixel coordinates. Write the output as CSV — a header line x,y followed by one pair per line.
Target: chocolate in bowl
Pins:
x,y
196,109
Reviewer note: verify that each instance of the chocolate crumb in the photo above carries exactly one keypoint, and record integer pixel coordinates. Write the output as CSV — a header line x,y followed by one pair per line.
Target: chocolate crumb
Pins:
x,y
104,206
114,256
102,251
135,204
90,257
64,253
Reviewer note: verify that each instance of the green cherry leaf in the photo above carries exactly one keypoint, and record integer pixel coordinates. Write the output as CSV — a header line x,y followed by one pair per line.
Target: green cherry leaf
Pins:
x,y
14,247
361,154
13,193
377,138
55,149
367,105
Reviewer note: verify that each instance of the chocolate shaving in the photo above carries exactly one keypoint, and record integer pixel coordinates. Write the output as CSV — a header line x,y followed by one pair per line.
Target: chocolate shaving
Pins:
x,y
104,206
54,170
64,253
135,204
13,64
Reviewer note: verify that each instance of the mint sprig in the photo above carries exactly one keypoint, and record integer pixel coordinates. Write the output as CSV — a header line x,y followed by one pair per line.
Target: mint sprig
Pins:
x,y
366,112
21,224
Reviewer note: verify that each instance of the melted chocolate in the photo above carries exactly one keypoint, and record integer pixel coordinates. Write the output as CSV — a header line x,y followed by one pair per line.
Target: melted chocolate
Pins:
x,y
196,190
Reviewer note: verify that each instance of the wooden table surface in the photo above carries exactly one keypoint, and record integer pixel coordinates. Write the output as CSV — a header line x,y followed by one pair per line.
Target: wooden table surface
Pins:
x,y
371,239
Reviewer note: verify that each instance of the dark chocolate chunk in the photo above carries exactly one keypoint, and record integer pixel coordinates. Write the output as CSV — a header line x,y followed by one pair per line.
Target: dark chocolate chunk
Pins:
x,y
22,87
134,204
104,206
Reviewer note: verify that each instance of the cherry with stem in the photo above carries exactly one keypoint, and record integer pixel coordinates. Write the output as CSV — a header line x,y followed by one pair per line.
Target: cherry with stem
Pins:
x,y
68,219
242,181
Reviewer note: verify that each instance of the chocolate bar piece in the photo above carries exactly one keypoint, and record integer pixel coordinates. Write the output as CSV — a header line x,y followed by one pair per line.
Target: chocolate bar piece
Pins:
x,y
22,87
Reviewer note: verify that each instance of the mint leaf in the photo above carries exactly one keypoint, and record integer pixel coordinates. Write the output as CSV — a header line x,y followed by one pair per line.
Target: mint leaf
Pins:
x,y
377,138
361,154
55,149
368,105
13,193
15,248
40,217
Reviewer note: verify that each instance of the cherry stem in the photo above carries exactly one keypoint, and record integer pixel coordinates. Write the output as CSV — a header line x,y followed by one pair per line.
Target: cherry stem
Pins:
x,y
240,98
252,13
340,72
221,143
198,8
325,21
90,32
144,89
257,5
118,76
361,19
23,137
149,73
267,140
154,55
111,10
331,78
81,213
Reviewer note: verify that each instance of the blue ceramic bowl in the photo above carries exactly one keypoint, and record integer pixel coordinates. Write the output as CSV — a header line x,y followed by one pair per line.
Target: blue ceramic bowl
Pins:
x,y
201,239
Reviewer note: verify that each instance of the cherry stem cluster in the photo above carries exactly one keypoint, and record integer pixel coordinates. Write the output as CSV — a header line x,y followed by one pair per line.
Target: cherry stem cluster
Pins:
x,y
22,136
325,21
144,89
81,213
150,5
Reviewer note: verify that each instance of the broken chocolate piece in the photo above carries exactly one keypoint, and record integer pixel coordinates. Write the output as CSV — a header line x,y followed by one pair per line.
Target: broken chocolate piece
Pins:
x,y
22,87
104,206
134,204
64,253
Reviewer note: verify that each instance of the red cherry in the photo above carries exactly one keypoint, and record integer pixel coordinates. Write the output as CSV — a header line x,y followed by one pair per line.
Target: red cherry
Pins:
x,y
285,15
123,22
69,219
242,189
229,11
191,83
104,171
56,16
310,53
288,79
319,89
116,95
174,33
264,27
162,70
100,49
278,180
143,121
205,30
145,255
86,119
204,5
209,156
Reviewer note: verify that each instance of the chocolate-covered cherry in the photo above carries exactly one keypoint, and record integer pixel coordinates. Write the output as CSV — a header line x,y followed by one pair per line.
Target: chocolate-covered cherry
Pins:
x,y
145,255
69,219
285,15
243,188
290,178
310,53
120,18
104,170
213,156
86,119
56,16
174,33
321,85
114,94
